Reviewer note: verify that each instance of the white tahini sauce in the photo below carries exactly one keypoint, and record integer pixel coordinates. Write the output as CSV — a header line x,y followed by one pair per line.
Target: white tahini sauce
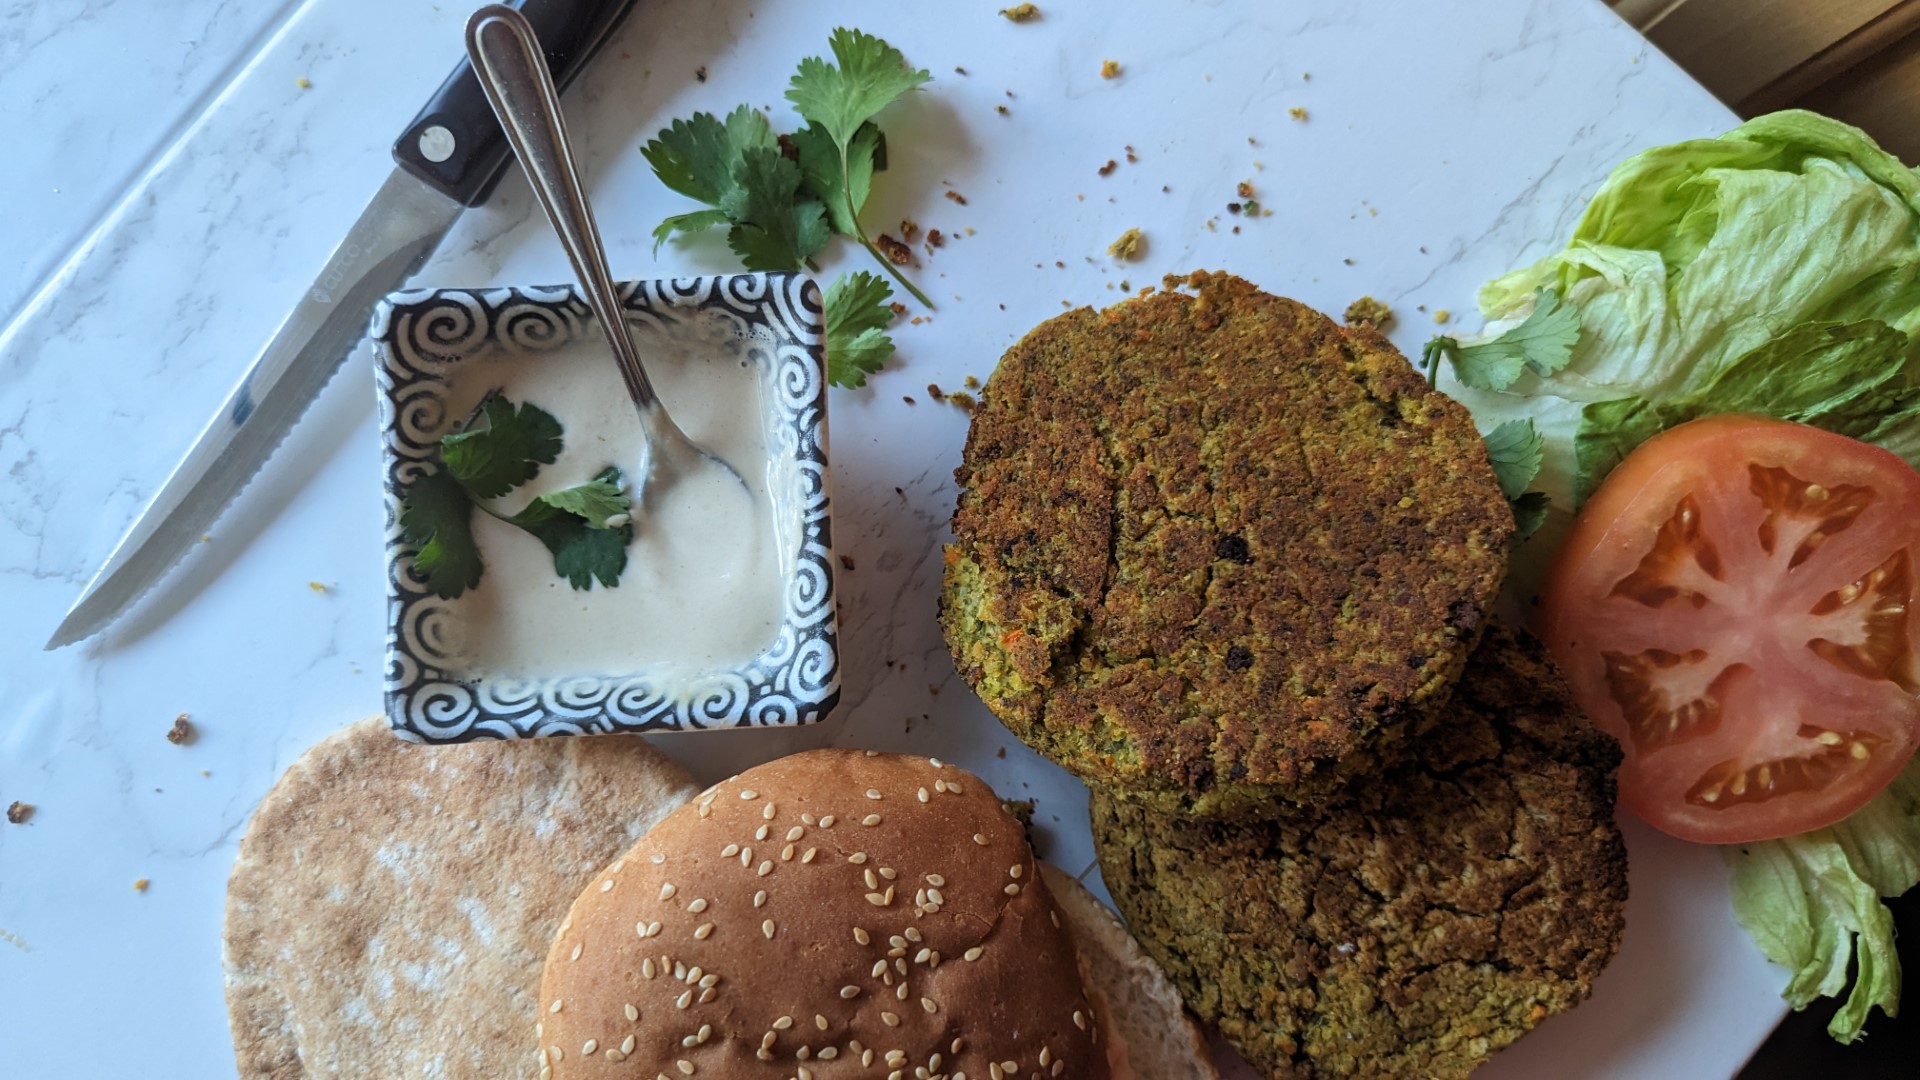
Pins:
x,y
702,586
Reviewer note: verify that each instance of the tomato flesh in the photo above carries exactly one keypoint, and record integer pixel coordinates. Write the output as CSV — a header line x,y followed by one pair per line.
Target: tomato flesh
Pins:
x,y
1733,605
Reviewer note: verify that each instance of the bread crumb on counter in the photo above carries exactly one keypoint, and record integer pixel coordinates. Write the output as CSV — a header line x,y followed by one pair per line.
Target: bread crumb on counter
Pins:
x,y
1298,113
181,733
1442,316
303,83
1021,13
1109,69
19,812
140,884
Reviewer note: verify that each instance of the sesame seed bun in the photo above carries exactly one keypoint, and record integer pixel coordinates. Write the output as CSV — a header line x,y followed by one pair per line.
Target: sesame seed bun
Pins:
x,y
837,913
392,903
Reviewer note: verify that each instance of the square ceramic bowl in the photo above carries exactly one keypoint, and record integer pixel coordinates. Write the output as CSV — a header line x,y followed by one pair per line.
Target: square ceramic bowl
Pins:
x,y
436,350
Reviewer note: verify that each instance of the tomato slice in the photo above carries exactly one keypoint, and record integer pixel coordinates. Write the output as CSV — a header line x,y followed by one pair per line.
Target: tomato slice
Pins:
x,y
1732,605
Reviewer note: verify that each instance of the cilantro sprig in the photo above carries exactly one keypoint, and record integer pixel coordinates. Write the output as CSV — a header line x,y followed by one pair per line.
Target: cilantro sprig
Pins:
x,y
782,197
499,448
1542,343
857,315
1516,449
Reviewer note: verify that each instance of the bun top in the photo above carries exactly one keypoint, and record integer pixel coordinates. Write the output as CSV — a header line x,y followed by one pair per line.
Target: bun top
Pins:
x,y
837,913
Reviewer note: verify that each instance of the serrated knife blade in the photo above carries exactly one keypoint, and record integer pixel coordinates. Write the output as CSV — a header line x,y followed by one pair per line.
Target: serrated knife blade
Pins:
x,y
448,159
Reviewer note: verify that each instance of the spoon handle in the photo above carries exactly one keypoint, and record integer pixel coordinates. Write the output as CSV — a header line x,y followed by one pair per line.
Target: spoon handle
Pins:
x,y
508,62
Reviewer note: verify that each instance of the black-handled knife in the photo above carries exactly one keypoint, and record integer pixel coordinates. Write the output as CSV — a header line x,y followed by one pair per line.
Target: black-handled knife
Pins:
x,y
448,158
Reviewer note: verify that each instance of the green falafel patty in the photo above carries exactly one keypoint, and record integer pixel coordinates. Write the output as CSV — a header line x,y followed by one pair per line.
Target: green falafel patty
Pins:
x,y
1416,923
1217,547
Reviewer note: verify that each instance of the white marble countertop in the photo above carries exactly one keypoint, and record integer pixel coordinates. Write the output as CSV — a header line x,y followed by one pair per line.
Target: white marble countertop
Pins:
x,y
172,187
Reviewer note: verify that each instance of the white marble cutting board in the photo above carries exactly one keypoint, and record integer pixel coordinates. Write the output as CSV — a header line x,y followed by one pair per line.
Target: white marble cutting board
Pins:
x,y
174,188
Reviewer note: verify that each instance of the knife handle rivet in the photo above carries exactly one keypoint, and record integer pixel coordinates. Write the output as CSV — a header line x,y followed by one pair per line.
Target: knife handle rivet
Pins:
x,y
436,143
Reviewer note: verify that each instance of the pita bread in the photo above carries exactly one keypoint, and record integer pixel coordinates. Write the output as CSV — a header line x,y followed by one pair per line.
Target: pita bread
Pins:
x,y
392,904
1149,1032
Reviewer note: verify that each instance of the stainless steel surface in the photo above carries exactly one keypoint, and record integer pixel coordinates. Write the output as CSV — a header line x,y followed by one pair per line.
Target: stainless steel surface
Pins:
x,y
508,61
395,234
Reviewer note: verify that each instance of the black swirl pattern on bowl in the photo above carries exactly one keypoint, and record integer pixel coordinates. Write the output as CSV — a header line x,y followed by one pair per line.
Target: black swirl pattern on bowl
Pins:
x,y
420,336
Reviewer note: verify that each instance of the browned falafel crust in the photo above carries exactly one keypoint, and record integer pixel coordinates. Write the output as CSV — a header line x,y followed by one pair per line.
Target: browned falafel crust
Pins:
x,y
1418,922
1217,546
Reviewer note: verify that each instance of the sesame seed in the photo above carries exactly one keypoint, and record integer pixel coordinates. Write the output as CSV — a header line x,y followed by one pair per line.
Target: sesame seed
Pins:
x,y
703,931
1055,916
748,794
940,786
658,858
879,968
901,992
759,898
870,819
819,1021
828,1053
857,858
1046,1057
694,974
615,1055
708,982
923,795
809,819
796,833
873,879
995,1072
873,793
891,1020
767,812
866,1058
979,839
860,936
913,934
971,954
632,1015
786,853
936,880
760,833
746,856
938,764
936,896
848,993
730,851
921,956
706,810
1015,871
558,1054
898,942
590,1046
766,867
1059,1066
706,995
646,967
685,999
667,891
699,905
876,899
690,1041
808,857
679,969
653,928
827,822
767,929
1080,1019
685,1067
1012,889
783,1023
555,1007
606,885
576,953
762,1054
953,787
958,1044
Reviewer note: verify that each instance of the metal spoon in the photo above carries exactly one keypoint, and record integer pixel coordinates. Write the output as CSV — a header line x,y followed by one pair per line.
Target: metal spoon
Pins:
x,y
512,70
